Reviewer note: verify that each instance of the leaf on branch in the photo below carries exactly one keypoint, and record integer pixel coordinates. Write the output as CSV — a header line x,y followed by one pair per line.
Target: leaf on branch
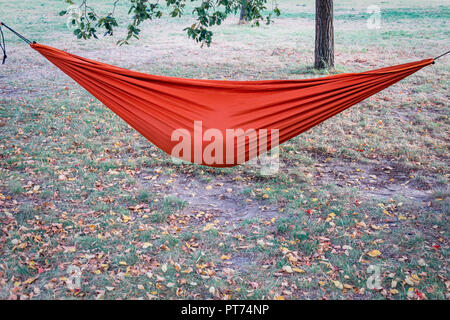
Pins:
x,y
207,13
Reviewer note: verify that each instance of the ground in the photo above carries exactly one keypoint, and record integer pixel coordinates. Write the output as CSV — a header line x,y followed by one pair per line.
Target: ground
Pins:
x,y
81,190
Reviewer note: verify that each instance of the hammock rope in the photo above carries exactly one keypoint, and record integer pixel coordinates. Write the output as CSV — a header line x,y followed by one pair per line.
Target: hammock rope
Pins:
x,y
441,55
3,45
2,41
194,116
16,33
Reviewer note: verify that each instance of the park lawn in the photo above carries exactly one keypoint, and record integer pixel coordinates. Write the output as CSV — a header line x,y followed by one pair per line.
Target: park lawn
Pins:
x,y
79,187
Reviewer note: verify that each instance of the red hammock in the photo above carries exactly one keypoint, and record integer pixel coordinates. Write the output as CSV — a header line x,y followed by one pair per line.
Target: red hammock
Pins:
x,y
191,118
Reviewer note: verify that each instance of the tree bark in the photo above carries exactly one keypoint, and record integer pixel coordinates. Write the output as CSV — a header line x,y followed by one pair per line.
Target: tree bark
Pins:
x,y
324,49
242,18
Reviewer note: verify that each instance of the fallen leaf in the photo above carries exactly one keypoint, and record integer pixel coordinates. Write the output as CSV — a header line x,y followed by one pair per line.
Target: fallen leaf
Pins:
x,y
394,291
287,269
30,280
338,284
409,281
374,253
146,245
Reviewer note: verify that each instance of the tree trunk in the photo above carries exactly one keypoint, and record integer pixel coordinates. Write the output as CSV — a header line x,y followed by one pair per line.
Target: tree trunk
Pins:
x,y
324,51
242,18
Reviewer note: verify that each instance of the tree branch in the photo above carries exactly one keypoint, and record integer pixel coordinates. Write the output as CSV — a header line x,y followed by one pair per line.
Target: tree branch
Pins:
x,y
208,13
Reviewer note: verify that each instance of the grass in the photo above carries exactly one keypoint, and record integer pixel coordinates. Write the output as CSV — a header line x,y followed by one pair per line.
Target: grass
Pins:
x,y
78,187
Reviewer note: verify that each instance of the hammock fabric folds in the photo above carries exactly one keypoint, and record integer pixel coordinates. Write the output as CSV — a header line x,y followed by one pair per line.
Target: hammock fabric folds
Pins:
x,y
202,113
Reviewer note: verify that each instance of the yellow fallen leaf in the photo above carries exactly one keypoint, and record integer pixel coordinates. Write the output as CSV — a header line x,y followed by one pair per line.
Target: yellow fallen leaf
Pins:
x,y
284,250
388,213
374,253
361,224
278,298
209,226
123,263
338,284
225,257
126,218
348,286
208,187
30,280
188,270
415,277
146,245
298,270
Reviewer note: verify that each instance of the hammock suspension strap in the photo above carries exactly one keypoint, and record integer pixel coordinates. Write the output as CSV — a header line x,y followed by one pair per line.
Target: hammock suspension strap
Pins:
x,y
2,40
16,33
2,44
441,55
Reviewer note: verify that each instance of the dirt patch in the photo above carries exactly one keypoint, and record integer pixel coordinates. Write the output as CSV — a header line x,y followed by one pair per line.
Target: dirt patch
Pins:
x,y
224,198
375,180
396,190
242,263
